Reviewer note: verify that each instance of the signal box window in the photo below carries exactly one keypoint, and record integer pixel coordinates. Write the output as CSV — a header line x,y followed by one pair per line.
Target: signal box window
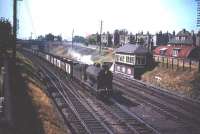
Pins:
x,y
140,60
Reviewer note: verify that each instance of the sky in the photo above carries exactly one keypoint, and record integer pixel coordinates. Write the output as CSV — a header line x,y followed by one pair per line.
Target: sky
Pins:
x,y
60,17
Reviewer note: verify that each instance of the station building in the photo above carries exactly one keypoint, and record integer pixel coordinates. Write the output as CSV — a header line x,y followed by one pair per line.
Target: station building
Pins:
x,y
132,60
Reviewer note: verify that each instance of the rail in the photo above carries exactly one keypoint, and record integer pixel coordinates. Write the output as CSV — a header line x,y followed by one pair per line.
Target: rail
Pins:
x,y
179,109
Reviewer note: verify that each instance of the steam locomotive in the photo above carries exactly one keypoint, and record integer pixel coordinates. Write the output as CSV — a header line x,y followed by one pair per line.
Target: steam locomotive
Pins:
x,y
100,78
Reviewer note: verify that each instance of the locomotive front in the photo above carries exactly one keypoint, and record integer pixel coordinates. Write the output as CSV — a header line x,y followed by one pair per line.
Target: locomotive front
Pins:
x,y
100,78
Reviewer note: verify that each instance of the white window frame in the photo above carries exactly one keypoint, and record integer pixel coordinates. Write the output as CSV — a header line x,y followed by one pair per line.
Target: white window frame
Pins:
x,y
175,52
124,57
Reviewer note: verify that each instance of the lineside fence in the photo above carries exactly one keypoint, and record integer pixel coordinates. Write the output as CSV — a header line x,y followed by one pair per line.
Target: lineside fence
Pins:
x,y
177,63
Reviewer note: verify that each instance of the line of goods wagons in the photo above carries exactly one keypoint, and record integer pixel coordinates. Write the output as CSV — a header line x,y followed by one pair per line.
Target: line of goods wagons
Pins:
x,y
92,73
65,64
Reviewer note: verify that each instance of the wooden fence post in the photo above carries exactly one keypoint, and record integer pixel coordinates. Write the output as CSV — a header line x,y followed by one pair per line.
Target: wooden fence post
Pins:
x,y
162,61
190,64
177,63
167,62
172,63
183,64
199,65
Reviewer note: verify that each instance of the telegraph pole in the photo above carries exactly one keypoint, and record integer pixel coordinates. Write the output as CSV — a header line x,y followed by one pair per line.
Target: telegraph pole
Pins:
x,y
72,37
14,28
100,36
31,35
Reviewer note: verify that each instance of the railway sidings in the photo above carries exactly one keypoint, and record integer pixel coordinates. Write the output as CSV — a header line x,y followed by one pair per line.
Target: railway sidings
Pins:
x,y
118,114
176,108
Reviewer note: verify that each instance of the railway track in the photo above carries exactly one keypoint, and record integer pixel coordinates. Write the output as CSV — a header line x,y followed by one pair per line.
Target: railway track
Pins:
x,y
82,119
133,123
172,98
136,124
177,109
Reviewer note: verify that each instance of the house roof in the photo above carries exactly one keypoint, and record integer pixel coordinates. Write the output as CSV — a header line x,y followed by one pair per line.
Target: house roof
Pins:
x,y
184,42
132,49
184,51
183,33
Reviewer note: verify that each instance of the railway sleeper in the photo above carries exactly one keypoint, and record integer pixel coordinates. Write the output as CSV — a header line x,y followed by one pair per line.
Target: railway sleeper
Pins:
x,y
88,118
83,111
95,125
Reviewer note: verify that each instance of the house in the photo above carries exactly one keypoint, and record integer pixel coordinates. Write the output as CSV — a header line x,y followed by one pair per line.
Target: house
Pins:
x,y
161,38
123,37
106,39
180,48
173,51
183,37
145,40
132,60
198,39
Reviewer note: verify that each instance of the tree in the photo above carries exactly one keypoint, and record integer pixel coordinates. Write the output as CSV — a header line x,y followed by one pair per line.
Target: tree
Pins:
x,y
41,38
109,39
131,39
79,39
5,34
141,41
49,37
116,37
123,32
59,38
91,39
98,38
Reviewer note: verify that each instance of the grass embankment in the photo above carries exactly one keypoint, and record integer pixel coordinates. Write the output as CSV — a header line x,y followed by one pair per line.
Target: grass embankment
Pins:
x,y
107,56
183,82
36,113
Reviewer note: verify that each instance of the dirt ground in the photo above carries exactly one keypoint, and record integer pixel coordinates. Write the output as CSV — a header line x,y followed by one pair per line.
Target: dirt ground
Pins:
x,y
35,112
185,82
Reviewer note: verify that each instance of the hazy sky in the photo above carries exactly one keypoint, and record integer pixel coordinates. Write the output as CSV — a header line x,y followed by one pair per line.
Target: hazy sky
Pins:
x,y
61,16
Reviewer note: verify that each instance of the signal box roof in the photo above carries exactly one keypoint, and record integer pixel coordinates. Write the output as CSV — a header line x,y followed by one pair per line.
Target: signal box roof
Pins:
x,y
132,49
